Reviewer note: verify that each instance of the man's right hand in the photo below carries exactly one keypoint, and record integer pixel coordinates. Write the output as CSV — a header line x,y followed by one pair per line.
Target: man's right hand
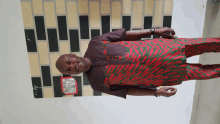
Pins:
x,y
164,91
165,32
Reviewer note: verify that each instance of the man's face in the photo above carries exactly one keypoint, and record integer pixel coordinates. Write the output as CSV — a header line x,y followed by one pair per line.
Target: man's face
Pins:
x,y
71,64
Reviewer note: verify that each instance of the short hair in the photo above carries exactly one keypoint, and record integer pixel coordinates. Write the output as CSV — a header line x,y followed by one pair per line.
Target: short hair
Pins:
x,y
58,64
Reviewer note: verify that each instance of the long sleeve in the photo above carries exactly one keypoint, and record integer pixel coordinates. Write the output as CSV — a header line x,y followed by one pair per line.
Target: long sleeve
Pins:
x,y
117,35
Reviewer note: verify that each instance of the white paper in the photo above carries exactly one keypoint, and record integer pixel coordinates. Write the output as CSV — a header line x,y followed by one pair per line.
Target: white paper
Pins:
x,y
69,85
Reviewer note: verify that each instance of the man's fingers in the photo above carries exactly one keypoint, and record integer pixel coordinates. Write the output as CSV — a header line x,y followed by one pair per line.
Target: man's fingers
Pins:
x,y
175,90
172,32
167,36
170,88
172,92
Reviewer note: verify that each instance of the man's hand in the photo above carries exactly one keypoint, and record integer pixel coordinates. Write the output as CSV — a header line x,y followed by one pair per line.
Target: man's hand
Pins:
x,y
165,32
164,91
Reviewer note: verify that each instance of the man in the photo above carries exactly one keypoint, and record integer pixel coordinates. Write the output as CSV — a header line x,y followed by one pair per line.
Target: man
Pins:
x,y
117,63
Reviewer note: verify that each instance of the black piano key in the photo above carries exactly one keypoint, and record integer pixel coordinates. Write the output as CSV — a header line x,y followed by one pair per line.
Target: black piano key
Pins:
x,y
36,81
84,27
62,26
53,41
46,75
85,80
57,87
105,24
96,93
126,23
114,30
40,27
74,40
167,21
148,24
30,40
38,93
79,85
95,32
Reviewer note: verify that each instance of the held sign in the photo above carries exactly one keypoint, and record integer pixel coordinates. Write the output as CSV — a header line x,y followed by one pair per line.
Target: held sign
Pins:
x,y
69,85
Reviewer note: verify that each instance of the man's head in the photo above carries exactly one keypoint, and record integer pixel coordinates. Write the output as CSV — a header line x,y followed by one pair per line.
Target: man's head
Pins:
x,y
72,64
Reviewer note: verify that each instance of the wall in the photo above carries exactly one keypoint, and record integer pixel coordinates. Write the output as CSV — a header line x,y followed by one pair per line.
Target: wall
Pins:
x,y
56,27
206,110
20,107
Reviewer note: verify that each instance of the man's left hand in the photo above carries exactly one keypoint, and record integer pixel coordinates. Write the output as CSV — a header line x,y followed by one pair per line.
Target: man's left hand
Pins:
x,y
164,91
165,32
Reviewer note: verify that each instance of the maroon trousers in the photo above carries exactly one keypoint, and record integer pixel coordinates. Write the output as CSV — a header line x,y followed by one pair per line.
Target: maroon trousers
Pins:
x,y
197,47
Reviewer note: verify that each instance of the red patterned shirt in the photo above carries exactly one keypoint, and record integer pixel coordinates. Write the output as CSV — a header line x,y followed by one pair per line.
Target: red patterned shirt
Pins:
x,y
118,64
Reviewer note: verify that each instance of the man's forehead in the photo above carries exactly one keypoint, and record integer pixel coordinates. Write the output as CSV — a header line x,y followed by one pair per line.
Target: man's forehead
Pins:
x,y
61,66
65,57
61,61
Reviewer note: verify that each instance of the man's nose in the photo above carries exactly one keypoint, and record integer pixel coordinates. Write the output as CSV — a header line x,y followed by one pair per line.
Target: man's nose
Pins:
x,y
71,65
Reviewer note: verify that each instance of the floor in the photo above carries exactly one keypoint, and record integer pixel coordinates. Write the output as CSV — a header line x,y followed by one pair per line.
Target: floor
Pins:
x,y
207,92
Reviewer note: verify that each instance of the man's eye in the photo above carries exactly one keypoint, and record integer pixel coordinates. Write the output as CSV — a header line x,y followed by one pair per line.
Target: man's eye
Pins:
x,y
68,62
76,69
